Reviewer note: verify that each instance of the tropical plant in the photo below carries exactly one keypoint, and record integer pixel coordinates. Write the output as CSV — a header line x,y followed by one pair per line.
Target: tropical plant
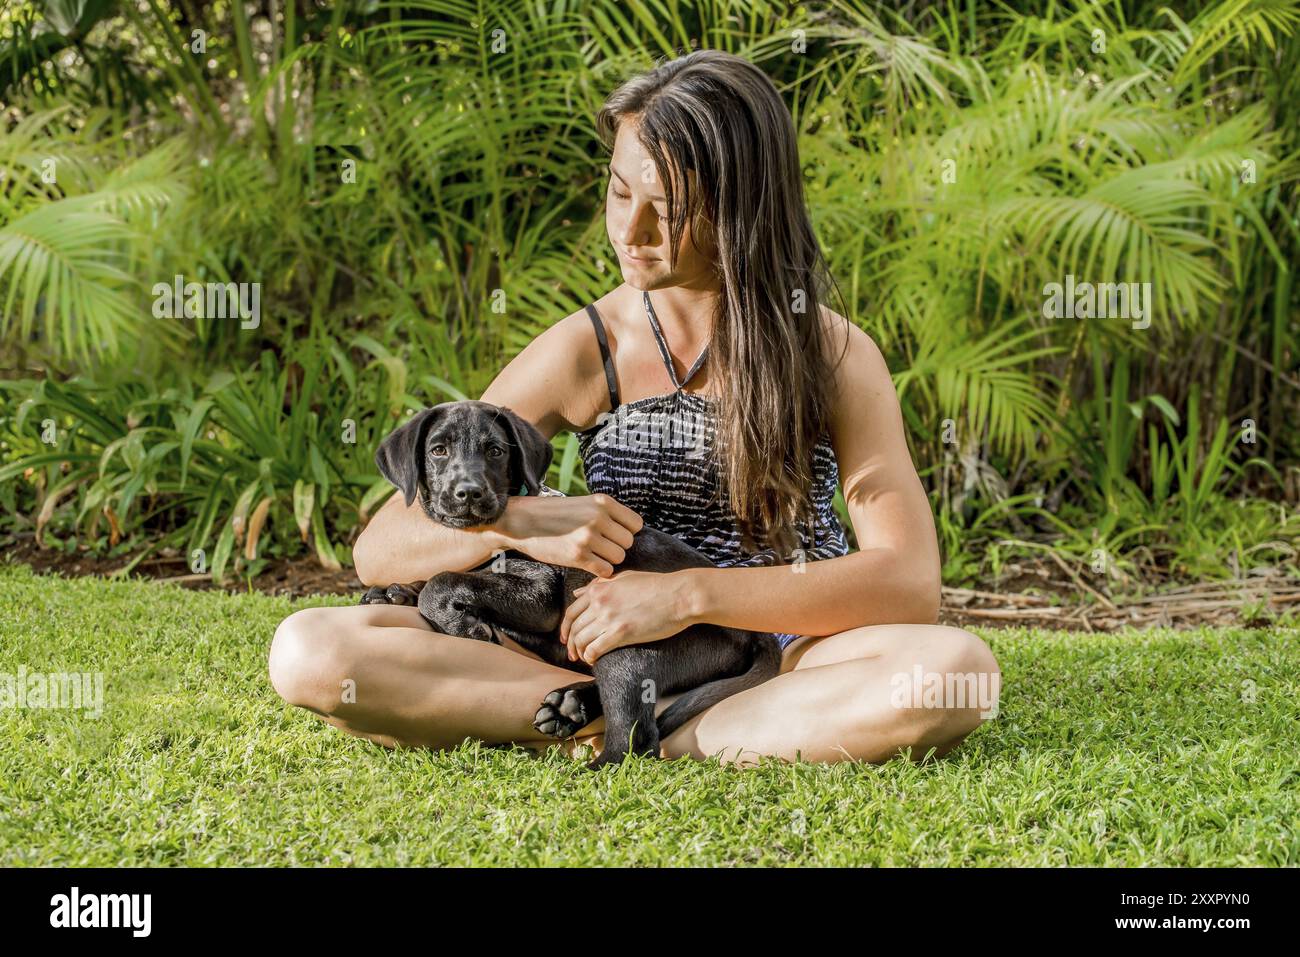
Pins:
x,y
414,186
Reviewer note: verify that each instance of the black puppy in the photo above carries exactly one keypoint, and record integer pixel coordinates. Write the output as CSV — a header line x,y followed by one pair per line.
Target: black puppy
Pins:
x,y
463,460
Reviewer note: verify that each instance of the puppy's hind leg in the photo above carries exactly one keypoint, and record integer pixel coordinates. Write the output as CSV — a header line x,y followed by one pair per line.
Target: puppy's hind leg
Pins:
x,y
566,711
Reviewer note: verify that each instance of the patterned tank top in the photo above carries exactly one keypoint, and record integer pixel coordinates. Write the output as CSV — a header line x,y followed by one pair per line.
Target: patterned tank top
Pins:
x,y
653,455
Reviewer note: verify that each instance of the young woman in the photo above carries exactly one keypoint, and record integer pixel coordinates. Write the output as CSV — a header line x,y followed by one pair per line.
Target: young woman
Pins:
x,y
716,398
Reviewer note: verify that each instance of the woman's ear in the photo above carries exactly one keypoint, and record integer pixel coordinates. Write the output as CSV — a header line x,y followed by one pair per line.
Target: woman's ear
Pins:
x,y
400,455
530,453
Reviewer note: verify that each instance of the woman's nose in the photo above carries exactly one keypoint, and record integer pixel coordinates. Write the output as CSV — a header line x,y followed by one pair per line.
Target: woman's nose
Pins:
x,y
635,229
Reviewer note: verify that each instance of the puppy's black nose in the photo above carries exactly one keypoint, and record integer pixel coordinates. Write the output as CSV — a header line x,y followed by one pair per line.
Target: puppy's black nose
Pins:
x,y
468,492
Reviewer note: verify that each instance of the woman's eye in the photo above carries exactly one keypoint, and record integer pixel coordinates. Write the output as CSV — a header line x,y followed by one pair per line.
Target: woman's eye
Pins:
x,y
626,196
439,450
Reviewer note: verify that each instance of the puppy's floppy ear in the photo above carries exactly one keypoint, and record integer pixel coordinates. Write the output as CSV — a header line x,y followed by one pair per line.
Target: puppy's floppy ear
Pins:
x,y
530,453
400,456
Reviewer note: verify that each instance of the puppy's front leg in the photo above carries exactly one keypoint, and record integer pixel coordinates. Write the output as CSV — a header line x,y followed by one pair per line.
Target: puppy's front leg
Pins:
x,y
542,644
480,604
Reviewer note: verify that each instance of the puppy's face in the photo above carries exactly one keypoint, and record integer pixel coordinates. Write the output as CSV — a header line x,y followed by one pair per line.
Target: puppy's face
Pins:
x,y
467,469
463,460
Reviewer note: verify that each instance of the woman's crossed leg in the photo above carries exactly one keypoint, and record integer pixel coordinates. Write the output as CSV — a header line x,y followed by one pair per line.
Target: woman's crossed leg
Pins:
x,y
380,672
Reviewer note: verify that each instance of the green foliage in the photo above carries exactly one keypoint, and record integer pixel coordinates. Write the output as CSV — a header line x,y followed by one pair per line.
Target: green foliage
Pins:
x,y
415,185
266,459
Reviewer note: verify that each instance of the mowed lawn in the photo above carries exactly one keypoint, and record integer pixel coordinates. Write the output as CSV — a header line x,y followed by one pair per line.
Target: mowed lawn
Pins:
x,y
1156,748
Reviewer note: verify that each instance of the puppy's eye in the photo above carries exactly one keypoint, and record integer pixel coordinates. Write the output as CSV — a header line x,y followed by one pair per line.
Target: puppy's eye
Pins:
x,y
495,452
439,450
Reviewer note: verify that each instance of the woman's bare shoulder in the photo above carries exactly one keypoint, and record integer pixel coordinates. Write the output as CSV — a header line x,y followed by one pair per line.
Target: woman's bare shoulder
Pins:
x,y
558,381
851,351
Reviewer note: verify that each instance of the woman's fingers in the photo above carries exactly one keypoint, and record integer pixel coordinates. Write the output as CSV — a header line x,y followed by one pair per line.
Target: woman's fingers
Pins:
x,y
584,633
603,554
620,513
591,562
580,603
597,646
617,533
609,550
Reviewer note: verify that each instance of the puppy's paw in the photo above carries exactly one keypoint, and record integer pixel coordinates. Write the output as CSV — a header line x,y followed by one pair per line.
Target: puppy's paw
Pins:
x,y
562,714
459,621
375,595
478,630
392,595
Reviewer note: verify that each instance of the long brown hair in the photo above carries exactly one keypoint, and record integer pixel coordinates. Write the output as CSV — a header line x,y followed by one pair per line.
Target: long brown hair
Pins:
x,y
719,116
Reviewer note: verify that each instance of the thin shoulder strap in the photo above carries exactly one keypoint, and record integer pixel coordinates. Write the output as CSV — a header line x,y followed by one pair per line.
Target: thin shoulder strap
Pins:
x,y
606,358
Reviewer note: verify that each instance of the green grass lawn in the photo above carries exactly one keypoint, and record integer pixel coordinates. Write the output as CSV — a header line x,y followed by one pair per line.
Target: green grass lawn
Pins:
x,y
1158,748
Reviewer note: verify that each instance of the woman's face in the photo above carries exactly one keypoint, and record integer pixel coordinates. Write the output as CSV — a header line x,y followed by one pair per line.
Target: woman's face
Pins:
x,y
636,219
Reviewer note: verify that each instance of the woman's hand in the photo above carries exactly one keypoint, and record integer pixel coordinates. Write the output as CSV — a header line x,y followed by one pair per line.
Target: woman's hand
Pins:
x,y
632,608
591,532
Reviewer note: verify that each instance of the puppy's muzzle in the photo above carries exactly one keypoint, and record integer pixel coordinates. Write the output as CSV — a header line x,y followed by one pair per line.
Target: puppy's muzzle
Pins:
x,y
470,502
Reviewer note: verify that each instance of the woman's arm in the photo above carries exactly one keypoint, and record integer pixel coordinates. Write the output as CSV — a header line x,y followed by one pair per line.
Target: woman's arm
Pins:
x,y
401,544
895,574
557,381
894,577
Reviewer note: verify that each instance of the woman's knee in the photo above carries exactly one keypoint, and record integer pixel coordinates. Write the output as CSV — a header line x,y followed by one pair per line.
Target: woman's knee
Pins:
x,y
960,651
310,658
951,687
971,684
